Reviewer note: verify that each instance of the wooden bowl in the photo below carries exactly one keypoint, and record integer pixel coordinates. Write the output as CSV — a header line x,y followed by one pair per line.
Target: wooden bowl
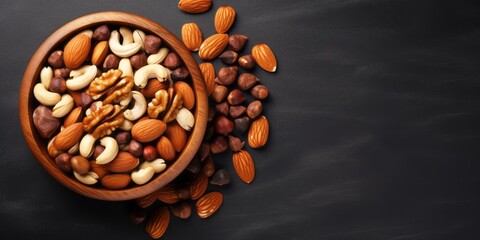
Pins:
x,y
28,103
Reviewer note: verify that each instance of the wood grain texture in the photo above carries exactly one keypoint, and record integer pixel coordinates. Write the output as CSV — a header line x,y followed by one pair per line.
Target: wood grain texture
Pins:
x,y
27,103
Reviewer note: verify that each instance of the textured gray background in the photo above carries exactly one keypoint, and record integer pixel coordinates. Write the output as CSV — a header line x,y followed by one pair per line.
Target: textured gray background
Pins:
x,y
374,119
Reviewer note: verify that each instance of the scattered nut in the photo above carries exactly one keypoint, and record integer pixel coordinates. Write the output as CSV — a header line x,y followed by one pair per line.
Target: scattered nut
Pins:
x,y
235,143
219,93
247,61
242,124
254,109
259,92
222,108
223,125
246,81
227,75
221,177
235,97
236,42
228,57
237,111
219,145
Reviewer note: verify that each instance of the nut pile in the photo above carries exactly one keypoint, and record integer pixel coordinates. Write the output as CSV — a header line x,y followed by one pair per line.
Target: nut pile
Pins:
x,y
236,112
116,106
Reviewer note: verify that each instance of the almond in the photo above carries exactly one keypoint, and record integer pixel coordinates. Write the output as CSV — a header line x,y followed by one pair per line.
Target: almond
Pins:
x,y
68,137
77,49
258,133
264,57
209,204
187,94
153,85
116,181
199,186
192,36
147,200
167,194
73,117
208,72
148,130
158,222
213,46
244,166
100,169
165,149
99,53
194,6
123,162
177,136
224,18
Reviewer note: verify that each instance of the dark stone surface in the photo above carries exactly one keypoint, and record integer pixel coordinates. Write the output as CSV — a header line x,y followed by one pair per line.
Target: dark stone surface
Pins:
x,y
374,114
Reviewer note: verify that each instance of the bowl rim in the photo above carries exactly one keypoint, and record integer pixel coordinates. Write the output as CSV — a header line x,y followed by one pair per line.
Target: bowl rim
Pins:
x,y
31,76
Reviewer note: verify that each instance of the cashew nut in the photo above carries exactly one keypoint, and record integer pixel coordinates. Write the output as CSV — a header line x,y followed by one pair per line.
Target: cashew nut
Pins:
x,y
46,76
88,178
138,109
122,50
110,152
150,71
81,77
158,57
44,96
74,149
185,119
127,35
124,102
63,107
126,67
158,165
86,145
142,175
139,37
126,125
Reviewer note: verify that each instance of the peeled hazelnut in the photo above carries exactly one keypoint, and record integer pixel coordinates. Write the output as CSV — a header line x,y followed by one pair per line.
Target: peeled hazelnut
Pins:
x,y
45,122
228,57
181,210
235,97
194,166
237,111
123,138
56,59
221,177
63,162
222,108
97,151
259,92
237,41
152,44
62,72
227,75
101,33
135,148
242,124
235,143
246,80
171,61
138,60
219,144
223,125
111,62
58,85
150,153
247,62
80,164
254,109
179,74
219,93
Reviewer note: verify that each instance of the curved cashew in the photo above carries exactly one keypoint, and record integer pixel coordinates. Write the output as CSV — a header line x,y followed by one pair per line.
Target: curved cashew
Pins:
x,y
126,125
158,165
126,67
44,96
63,107
142,175
158,57
138,109
81,77
86,145
127,35
74,149
150,71
46,76
139,37
88,178
122,50
185,119
110,152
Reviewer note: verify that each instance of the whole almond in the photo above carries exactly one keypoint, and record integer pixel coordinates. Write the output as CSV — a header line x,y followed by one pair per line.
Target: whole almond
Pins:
x,y
153,85
208,72
192,36
258,133
209,204
116,181
73,117
124,162
199,186
68,137
148,130
177,136
147,200
264,57
213,46
77,49
187,94
99,53
244,166
158,222
167,194
224,18
194,6
100,169
165,149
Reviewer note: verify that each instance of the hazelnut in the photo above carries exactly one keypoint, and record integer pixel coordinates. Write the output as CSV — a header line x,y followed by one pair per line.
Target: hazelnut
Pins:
x,y
97,151
194,166
171,61
111,62
254,109
219,93
56,59
138,60
63,162
208,167
222,108
123,138
227,75
204,151
228,57
246,80
179,74
235,97
135,148
80,164
259,92
235,143
152,44
58,85
221,177
237,111
247,62
237,41
242,124
150,153
183,193
101,33
45,122
219,145
62,72
223,125
181,210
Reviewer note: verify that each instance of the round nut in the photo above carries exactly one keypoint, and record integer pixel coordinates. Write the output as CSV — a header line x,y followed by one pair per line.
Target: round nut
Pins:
x,y
80,164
